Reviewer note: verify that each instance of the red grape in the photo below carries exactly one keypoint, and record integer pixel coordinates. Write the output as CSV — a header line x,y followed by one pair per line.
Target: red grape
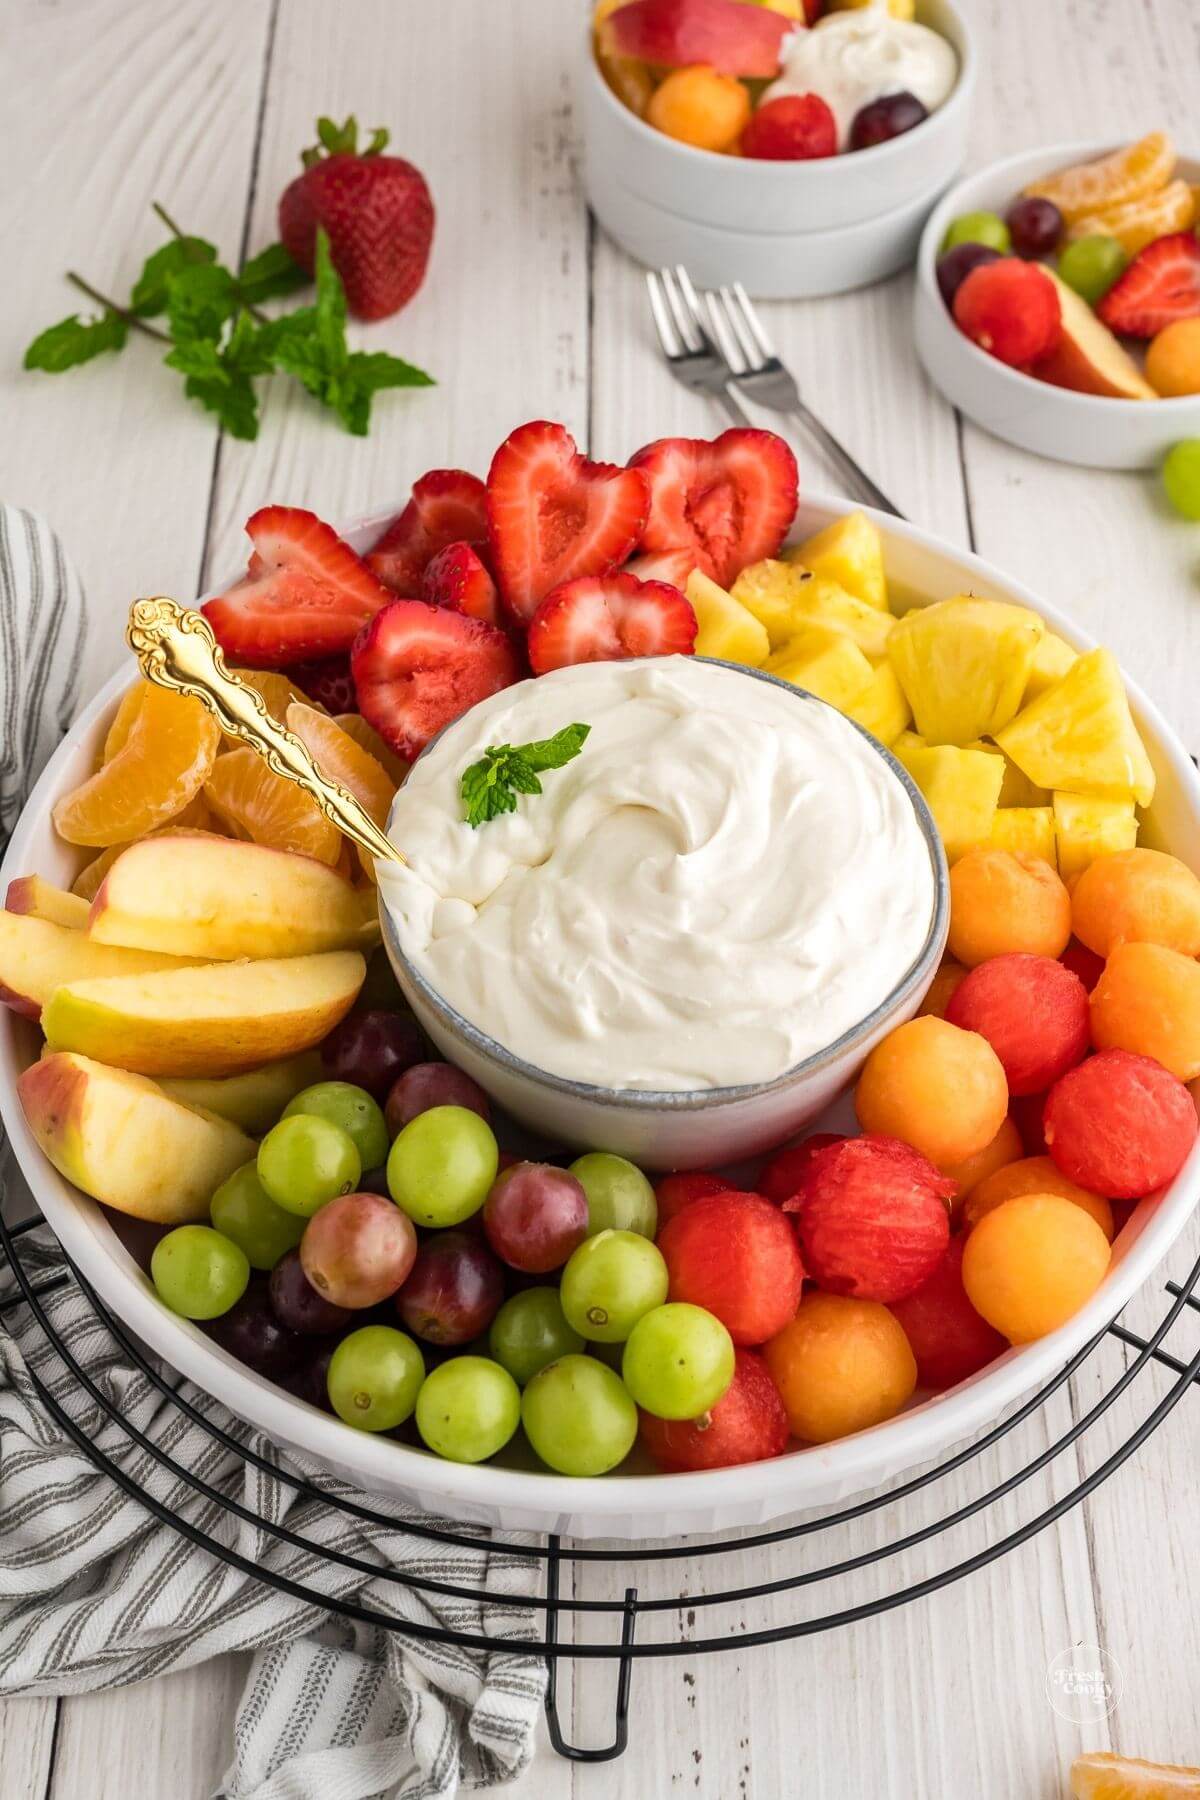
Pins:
x,y
251,1332
957,264
371,1049
310,1382
454,1290
297,1304
429,1084
1036,225
358,1249
883,119
535,1216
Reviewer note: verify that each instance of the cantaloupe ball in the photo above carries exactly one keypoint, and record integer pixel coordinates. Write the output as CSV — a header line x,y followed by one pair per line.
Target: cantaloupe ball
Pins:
x,y
1148,1001
1032,1263
1137,896
1006,1147
1034,1175
840,1365
935,1087
941,989
700,107
1002,901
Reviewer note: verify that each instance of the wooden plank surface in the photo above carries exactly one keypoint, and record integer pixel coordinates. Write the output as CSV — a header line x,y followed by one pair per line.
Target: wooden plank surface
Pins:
x,y
528,312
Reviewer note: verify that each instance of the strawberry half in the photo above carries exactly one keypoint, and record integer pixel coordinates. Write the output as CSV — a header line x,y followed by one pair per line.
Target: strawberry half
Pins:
x,y
418,667
328,684
306,594
1161,284
607,619
447,507
554,516
727,503
456,577
672,566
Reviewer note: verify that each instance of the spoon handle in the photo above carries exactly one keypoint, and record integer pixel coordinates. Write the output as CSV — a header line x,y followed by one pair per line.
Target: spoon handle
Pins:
x,y
177,649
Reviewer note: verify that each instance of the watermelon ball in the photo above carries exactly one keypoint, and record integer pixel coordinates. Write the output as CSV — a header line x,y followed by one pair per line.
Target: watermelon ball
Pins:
x,y
947,1336
1010,309
1028,1116
1119,1125
872,1217
748,1424
1032,1011
736,1255
781,1174
674,1192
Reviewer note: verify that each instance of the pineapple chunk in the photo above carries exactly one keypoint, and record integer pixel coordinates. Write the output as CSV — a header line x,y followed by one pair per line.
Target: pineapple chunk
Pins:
x,y
963,665
828,664
850,552
1079,735
821,602
1027,830
1016,788
768,590
961,788
1051,660
726,628
902,748
882,709
1088,828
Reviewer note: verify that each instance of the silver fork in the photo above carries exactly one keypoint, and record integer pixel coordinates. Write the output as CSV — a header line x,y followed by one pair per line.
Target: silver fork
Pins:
x,y
685,343
758,372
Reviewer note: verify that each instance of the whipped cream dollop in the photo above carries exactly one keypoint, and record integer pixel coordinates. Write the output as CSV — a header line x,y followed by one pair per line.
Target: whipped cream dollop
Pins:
x,y
724,880
852,58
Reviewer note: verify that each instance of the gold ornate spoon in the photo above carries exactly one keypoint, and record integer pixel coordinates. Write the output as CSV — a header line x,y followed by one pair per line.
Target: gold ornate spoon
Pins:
x,y
177,649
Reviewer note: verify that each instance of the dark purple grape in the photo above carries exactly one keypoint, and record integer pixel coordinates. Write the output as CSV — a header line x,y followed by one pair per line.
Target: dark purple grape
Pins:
x,y
957,264
309,1380
370,1049
1036,226
885,119
375,1181
535,1216
454,1290
297,1303
251,1332
429,1084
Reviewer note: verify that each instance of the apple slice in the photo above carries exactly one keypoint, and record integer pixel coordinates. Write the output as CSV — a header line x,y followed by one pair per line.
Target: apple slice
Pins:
x,y
215,1019
733,38
30,894
122,1140
253,1100
36,957
1089,358
220,898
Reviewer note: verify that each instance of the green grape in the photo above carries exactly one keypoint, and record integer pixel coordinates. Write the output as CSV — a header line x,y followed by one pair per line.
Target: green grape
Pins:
x,y
1181,477
978,228
529,1331
442,1165
199,1272
609,1282
678,1361
1090,265
468,1408
305,1161
618,1195
579,1416
374,1377
243,1210
360,1117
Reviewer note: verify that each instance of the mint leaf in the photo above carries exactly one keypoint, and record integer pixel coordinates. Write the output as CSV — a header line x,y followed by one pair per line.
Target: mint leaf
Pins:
x,y
150,289
233,401
200,299
220,376
73,341
269,274
490,786
330,308
553,752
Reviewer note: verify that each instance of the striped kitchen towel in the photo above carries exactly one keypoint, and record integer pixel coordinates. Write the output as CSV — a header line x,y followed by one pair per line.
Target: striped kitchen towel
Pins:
x,y
97,1592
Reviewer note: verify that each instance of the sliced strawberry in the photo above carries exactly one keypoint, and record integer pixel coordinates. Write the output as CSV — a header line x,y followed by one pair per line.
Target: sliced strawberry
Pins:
x,y
733,38
329,684
607,618
672,566
447,507
727,503
553,515
456,577
306,593
417,667
1161,284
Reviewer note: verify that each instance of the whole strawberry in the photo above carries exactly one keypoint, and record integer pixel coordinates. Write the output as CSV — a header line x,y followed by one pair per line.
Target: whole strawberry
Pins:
x,y
376,210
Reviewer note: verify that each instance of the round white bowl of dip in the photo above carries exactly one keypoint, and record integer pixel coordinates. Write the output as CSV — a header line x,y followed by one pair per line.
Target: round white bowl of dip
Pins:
x,y
687,944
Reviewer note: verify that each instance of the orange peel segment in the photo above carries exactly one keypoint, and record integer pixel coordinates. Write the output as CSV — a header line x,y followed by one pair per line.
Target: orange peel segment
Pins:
x,y
1128,174
1102,1775
269,809
161,765
345,761
1138,222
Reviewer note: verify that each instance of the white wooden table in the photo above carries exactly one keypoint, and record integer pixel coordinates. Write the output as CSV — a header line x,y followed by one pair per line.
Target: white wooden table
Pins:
x,y
529,312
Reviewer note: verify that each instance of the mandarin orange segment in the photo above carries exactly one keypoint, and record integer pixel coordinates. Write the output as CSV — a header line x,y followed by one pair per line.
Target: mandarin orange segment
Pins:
x,y
277,691
118,732
355,726
160,767
268,809
1138,222
1102,1775
346,762
1129,174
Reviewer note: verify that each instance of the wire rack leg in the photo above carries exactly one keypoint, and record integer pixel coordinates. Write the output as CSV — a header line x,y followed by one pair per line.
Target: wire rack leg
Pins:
x,y
572,1752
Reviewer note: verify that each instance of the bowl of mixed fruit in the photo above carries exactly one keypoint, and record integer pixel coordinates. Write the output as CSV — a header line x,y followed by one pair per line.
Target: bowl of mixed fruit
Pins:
x,y
245,1141
796,145
1058,301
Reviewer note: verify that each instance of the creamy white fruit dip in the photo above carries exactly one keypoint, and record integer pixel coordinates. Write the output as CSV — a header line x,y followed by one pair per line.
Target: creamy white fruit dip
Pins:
x,y
852,58
723,881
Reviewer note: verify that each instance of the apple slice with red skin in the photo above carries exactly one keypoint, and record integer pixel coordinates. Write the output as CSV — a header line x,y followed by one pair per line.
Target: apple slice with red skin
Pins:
x,y
732,38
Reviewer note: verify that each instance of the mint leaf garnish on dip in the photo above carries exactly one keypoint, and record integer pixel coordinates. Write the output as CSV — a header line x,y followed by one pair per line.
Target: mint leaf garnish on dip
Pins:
x,y
491,785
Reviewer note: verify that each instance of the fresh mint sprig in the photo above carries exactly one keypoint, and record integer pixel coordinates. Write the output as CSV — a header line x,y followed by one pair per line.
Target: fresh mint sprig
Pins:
x,y
491,785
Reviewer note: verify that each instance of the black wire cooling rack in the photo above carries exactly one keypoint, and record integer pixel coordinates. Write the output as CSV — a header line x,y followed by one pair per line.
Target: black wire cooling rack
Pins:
x,y
670,1616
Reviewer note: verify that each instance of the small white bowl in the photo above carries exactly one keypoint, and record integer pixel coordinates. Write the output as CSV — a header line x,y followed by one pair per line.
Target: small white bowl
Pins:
x,y
1090,429
784,229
